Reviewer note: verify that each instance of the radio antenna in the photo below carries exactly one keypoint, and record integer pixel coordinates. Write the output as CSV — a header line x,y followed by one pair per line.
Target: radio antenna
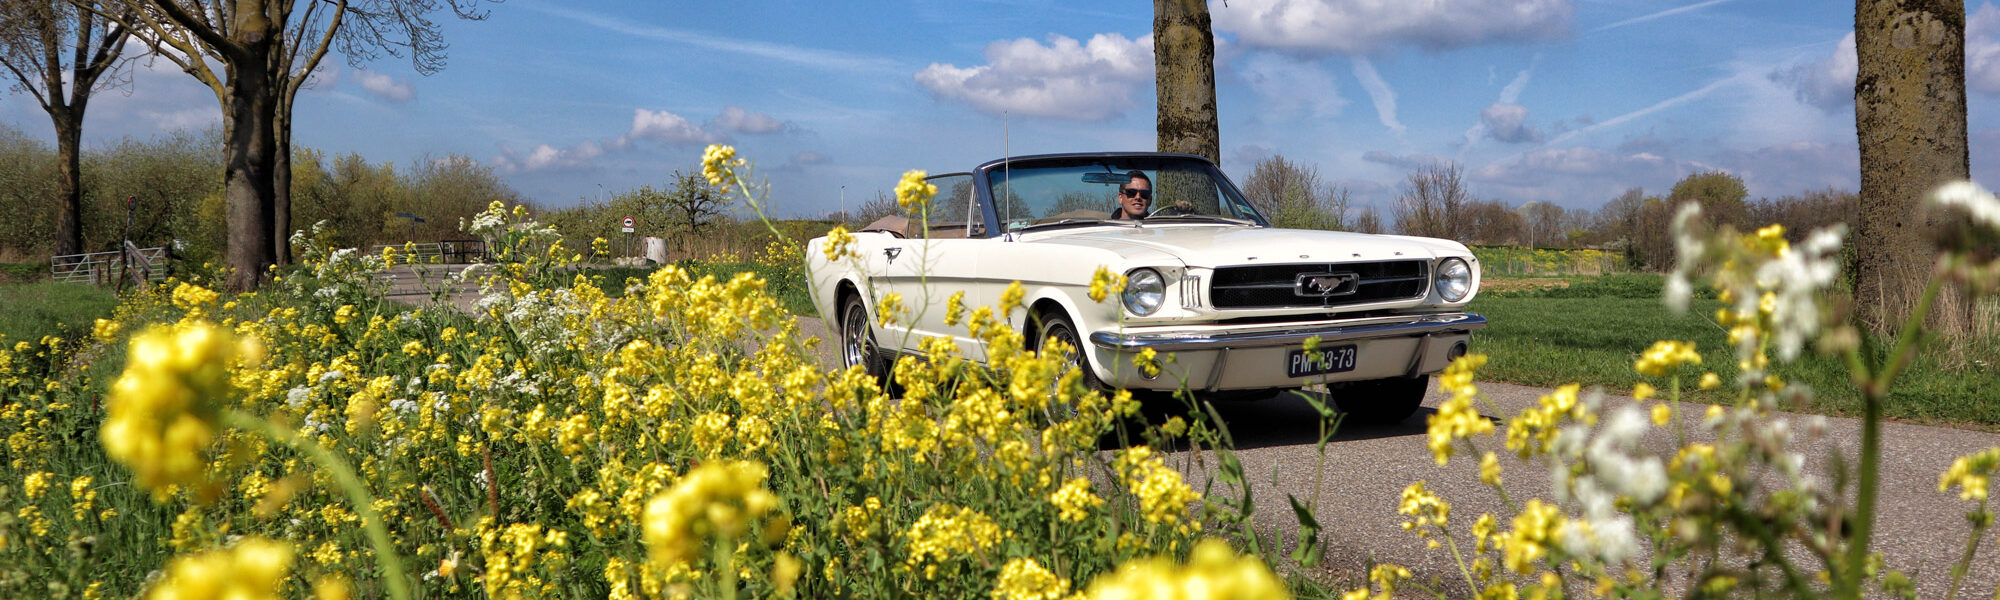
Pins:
x,y
1006,165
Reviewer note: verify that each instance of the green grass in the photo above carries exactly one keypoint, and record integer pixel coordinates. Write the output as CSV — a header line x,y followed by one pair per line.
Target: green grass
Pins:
x,y
68,310
1593,330
787,284
23,272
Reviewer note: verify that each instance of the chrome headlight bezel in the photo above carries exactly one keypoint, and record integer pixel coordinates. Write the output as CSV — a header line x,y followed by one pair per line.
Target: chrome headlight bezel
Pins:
x,y
1145,292
1452,280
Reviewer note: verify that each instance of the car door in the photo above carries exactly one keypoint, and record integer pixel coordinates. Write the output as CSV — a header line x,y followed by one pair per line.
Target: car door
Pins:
x,y
938,258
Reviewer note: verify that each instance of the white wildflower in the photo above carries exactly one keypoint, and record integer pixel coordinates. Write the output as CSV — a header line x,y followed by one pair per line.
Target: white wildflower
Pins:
x,y
1975,200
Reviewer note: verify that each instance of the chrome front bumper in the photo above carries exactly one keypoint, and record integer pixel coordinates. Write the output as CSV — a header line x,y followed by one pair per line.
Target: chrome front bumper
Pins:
x,y
1290,334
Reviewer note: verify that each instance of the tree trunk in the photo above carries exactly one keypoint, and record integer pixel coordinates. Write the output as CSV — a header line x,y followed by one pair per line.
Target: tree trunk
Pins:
x,y
250,157
69,183
281,187
1909,115
1184,67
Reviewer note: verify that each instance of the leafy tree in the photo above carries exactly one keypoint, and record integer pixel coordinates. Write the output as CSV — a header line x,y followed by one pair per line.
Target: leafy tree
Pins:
x,y
266,50
1720,195
27,182
61,55
1293,195
1184,67
1909,116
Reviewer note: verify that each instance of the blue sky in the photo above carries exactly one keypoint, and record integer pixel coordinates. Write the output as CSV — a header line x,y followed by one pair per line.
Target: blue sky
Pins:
x,y
1563,101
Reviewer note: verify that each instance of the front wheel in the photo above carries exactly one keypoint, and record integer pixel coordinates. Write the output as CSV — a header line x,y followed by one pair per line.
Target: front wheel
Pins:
x,y
1381,401
857,340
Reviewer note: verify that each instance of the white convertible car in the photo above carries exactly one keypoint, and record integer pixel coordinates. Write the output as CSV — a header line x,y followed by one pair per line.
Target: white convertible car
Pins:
x,y
1233,301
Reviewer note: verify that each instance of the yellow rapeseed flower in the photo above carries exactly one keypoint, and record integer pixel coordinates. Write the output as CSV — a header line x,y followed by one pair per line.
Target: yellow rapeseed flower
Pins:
x,y
718,165
1074,500
1972,474
716,501
1025,579
165,409
1665,356
1213,572
253,569
1163,496
913,192
33,485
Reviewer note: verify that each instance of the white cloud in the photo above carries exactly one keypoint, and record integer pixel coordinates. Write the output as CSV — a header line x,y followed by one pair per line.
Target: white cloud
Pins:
x,y
1407,162
1665,13
1828,83
810,57
1574,177
1289,85
546,157
1795,167
663,126
1656,107
1380,92
386,87
1982,50
1508,123
740,120
187,118
1370,26
1063,79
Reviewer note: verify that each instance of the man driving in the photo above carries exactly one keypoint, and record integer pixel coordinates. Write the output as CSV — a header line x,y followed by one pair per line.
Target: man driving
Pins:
x,y
1134,197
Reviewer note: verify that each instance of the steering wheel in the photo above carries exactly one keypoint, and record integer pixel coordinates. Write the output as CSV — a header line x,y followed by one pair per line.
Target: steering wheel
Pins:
x,y
1177,208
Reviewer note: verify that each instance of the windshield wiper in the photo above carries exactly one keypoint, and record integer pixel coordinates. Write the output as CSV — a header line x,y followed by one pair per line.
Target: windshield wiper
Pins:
x,y
1076,223
1203,218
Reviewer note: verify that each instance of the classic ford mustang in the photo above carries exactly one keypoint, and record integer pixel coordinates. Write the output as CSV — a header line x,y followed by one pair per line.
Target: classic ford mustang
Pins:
x,y
1241,307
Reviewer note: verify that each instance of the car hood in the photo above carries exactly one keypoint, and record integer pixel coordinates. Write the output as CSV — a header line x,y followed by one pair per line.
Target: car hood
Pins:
x,y
1215,245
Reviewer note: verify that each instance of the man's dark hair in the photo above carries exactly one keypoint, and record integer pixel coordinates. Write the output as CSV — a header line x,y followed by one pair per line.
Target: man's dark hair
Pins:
x,y
1138,174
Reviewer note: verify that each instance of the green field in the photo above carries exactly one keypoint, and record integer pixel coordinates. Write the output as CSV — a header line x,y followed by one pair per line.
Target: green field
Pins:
x,y
33,310
1591,332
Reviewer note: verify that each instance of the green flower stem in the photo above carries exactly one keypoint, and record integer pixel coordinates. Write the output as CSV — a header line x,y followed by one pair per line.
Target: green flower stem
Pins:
x,y
1458,558
1874,393
357,493
1979,524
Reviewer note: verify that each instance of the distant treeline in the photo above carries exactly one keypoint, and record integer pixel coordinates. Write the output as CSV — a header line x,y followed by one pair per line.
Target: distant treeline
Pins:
x,y
176,184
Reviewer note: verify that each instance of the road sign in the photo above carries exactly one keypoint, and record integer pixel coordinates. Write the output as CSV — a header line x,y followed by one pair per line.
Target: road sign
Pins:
x,y
629,224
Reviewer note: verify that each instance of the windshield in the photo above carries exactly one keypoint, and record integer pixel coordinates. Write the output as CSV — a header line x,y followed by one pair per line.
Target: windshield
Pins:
x,y
1038,192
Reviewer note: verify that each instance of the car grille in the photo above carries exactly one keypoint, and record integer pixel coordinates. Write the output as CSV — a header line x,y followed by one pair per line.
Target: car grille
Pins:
x,y
1277,286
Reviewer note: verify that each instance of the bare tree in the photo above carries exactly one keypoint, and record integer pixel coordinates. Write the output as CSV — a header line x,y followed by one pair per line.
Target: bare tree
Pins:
x,y
1543,225
1184,67
1909,115
1431,200
266,51
1366,220
693,204
47,45
1488,222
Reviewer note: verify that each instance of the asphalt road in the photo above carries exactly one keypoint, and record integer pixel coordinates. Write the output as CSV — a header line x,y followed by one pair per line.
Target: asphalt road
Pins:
x,y
1921,531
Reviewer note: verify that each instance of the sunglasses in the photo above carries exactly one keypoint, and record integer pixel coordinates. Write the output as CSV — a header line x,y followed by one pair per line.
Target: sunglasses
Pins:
x,y
1136,193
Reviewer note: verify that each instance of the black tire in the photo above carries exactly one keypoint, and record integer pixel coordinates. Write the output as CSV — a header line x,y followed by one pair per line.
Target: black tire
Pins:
x,y
857,340
1381,401
1058,326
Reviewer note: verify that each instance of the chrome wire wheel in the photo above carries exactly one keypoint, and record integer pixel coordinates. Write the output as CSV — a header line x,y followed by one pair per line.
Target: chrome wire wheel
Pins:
x,y
857,344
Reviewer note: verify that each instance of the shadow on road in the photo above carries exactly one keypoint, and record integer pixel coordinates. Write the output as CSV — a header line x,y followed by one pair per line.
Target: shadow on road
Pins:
x,y
1286,419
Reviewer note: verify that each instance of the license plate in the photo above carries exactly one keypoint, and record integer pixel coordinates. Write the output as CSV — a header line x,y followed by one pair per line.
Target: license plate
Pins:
x,y
1327,359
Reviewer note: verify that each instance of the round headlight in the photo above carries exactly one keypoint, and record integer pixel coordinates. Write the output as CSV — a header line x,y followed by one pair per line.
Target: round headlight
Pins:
x,y
1144,291
1454,279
